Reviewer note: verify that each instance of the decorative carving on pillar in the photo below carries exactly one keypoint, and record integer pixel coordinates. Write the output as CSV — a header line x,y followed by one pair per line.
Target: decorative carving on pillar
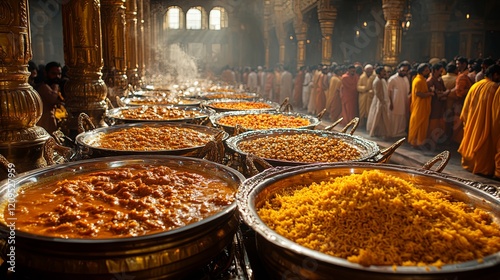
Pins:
x,y
131,41
393,32
21,140
265,33
147,34
439,15
280,29
113,45
327,14
300,33
85,91
141,67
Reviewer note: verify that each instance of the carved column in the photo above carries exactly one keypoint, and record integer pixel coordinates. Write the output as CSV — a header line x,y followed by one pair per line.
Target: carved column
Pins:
x,y
85,91
21,140
265,33
439,16
113,47
141,67
300,33
131,41
156,14
393,13
280,29
327,14
147,34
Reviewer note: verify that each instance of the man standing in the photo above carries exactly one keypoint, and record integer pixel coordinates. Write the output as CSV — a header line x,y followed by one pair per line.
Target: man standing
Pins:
x,y
420,107
479,145
438,105
297,88
306,86
365,85
252,81
333,102
378,123
286,86
457,95
51,96
399,88
349,95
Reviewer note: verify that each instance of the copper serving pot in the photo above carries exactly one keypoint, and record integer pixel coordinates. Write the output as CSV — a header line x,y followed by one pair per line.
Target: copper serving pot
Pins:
x,y
215,118
191,115
285,259
170,254
88,144
212,104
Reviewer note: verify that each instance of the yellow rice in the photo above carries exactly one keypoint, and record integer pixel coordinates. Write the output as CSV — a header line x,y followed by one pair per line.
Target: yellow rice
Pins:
x,y
377,219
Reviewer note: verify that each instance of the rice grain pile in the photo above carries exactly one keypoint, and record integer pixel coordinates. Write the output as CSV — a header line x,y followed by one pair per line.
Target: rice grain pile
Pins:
x,y
377,219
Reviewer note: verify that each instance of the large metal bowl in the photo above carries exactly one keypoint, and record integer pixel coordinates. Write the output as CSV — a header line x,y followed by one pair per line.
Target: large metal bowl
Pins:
x,y
212,104
191,114
313,121
155,100
88,144
368,150
228,95
169,254
285,259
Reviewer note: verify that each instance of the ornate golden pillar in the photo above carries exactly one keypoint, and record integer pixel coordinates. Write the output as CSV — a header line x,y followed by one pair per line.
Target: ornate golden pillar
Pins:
x,y
300,33
85,91
113,47
131,42
21,141
265,34
147,34
280,29
327,14
393,32
439,17
141,67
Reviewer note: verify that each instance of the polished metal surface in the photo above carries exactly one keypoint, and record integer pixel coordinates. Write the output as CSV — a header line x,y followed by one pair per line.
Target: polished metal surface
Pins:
x,y
88,142
165,255
114,116
151,101
368,149
286,259
210,104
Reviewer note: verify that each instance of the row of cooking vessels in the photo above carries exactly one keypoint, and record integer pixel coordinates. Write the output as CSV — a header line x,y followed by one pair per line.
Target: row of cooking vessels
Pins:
x,y
175,253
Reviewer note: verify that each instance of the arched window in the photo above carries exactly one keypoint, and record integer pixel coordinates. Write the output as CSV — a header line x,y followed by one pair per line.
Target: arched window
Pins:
x,y
193,18
218,18
173,18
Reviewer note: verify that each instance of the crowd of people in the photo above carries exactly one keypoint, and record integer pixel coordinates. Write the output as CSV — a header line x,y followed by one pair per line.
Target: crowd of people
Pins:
x,y
434,105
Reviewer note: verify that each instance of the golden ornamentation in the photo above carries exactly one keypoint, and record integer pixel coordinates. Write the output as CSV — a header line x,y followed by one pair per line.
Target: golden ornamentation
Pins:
x,y
21,140
393,13
131,42
85,91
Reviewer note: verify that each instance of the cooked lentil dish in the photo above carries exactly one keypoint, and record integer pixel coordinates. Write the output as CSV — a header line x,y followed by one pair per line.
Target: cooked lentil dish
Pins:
x,y
304,147
123,202
229,95
236,105
264,121
150,138
375,218
157,113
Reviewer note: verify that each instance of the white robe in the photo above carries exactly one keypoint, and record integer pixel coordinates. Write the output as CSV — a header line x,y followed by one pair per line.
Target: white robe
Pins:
x,y
399,88
306,86
377,123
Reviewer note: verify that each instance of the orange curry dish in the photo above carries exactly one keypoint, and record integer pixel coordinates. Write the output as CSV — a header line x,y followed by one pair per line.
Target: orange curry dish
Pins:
x,y
122,202
157,113
230,95
151,138
264,121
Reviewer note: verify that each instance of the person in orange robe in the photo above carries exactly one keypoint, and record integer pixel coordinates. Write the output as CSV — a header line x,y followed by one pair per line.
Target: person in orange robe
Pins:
x,y
349,95
297,88
333,103
321,89
457,95
495,112
478,146
420,107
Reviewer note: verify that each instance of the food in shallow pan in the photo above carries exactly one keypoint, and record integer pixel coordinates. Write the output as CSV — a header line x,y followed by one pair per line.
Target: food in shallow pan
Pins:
x,y
150,138
149,101
123,202
304,147
240,105
157,113
374,218
231,95
264,121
